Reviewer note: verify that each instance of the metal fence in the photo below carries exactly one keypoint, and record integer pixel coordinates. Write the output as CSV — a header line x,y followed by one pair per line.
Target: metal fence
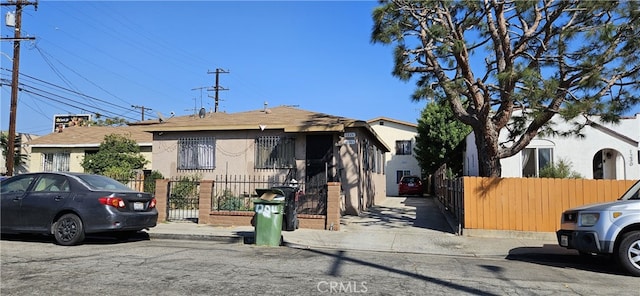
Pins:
x,y
236,192
183,200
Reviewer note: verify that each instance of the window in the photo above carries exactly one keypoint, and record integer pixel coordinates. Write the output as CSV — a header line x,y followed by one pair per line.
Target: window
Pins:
x,y
55,162
403,147
196,153
534,159
275,152
52,183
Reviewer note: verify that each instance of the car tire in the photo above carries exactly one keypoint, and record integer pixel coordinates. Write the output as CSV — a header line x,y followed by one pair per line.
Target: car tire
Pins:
x,y
68,230
629,252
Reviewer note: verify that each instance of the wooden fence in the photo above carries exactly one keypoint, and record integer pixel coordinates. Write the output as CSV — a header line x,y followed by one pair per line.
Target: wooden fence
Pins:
x,y
530,204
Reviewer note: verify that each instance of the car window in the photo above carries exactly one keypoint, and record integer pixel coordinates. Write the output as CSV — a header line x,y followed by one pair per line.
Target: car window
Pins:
x,y
407,180
98,182
55,183
16,184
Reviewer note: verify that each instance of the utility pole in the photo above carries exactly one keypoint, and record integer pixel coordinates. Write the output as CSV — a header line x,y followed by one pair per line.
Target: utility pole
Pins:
x,y
217,87
11,140
142,108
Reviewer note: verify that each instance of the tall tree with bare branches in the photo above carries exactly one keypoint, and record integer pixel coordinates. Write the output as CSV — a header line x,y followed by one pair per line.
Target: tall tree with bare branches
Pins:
x,y
490,58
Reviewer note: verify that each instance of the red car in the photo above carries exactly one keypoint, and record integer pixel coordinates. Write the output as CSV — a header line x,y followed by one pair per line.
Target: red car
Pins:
x,y
410,185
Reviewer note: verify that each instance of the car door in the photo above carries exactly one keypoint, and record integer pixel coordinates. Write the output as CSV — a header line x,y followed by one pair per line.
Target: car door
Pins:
x,y
12,192
46,198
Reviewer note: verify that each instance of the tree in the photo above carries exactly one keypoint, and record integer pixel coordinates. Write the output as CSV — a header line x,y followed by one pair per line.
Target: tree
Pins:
x,y
118,156
115,121
439,138
18,158
543,58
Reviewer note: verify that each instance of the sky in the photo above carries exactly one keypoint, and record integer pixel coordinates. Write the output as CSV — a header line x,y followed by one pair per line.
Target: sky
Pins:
x,y
105,57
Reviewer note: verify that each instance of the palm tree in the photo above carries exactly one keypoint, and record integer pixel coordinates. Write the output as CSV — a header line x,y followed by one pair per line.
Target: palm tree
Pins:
x,y
18,158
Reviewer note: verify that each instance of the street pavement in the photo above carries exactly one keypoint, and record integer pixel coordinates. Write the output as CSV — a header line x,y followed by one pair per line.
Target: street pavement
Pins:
x,y
399,224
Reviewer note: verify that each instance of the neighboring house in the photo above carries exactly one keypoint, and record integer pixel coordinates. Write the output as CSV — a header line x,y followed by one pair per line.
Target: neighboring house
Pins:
x,y
604,151
401,159
65,151
26,150
277,142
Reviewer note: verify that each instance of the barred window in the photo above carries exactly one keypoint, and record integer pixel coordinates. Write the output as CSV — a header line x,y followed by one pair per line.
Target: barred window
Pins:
x,y
275,152
55,162
403,147
196,153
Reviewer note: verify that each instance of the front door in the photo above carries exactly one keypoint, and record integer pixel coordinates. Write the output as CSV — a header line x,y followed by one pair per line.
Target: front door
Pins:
x,y
319,158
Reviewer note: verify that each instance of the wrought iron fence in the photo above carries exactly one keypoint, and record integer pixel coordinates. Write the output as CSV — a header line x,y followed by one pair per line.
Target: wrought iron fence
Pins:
x,y
183,201
236,193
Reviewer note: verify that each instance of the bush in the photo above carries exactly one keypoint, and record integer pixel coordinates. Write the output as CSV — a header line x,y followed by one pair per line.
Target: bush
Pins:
x,y
150,181
562,169
228,202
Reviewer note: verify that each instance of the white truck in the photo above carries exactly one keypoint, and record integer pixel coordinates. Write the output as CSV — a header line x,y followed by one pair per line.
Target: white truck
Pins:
x,y
611,229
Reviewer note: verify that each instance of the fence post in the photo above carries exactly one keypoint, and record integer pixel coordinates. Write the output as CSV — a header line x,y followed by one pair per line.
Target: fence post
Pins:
x,y
333,206
162,200
204,201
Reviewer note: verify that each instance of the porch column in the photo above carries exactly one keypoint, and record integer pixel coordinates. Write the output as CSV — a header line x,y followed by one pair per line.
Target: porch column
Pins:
x,y
162,200
204,201
333,206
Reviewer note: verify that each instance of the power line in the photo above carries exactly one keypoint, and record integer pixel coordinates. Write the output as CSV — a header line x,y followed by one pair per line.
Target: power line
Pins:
x,y
17,24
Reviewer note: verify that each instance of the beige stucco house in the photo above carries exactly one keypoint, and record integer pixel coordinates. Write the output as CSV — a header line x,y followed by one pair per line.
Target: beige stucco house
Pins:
x,y
401,160
281,142
65,151
25,150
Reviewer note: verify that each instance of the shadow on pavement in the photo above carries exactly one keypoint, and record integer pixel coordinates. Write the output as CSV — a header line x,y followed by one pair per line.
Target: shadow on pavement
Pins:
x,y
420,212
341,256
90,239
556,256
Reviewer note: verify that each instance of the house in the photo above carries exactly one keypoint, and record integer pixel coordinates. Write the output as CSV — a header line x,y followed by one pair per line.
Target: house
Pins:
x,y
401,159
65,150
283,141
603,151
25,150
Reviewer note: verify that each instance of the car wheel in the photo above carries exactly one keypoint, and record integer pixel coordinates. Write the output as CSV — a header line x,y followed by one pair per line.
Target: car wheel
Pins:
x,y
629,252
68,230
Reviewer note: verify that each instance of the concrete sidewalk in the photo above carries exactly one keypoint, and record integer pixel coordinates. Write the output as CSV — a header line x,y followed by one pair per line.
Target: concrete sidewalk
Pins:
x,y
403,225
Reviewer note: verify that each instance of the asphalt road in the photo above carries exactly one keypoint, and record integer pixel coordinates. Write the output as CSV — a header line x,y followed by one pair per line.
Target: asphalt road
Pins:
x,y
103,266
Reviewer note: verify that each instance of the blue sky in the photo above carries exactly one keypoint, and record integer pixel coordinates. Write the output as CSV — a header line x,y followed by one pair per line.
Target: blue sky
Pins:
x,y
111,55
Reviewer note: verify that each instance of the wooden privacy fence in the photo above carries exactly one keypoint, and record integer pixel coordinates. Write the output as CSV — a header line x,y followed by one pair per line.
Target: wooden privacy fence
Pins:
x,y
530,204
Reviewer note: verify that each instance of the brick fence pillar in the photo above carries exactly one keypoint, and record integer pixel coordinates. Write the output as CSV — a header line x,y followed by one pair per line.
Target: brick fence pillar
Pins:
x,y
333,206
204,202
162,200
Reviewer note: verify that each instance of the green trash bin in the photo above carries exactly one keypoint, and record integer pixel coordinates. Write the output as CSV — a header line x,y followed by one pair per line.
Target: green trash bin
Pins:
x,y
268,228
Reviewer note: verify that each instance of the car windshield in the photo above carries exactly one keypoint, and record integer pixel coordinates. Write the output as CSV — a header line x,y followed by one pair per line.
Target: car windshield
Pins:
x,y
632,193
98,182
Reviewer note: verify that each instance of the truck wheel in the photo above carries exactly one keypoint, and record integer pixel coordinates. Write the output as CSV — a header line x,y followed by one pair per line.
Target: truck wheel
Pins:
x,y
629,252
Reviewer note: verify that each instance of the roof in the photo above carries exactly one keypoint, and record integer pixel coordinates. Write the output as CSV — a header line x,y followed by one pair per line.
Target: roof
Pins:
x,y
382,118
91,136
289,119
283,117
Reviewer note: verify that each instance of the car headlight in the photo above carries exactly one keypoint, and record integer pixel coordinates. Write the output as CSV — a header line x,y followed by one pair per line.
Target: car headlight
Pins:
x,y
589,219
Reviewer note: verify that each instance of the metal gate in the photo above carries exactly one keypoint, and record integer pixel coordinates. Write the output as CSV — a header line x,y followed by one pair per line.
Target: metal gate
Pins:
x,y
183,201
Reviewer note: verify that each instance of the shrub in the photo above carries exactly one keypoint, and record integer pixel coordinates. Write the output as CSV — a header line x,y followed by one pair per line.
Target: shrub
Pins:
x,y
562,169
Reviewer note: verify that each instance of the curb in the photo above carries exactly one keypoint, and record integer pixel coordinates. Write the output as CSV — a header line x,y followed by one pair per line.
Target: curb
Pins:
x,y
198,237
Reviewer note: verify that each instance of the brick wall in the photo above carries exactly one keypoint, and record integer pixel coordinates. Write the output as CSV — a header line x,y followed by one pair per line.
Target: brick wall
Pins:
x,y
161,195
